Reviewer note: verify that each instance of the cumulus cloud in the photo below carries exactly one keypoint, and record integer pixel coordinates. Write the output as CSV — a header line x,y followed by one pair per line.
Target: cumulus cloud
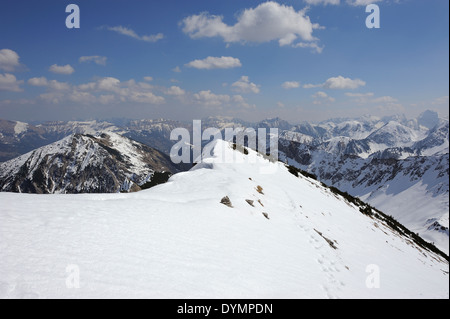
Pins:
x,y
100,60
148,78
64,69
101,91
224,62
8,82
129,91
290,85
130,33
211,100
338,83
322,98
146,97
42,81
267,22
341,83
176,69
207,98
175,90
243,85
9,60
52,84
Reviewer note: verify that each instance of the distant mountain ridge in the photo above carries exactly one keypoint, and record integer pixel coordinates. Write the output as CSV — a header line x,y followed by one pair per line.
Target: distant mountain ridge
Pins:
x,y
107,163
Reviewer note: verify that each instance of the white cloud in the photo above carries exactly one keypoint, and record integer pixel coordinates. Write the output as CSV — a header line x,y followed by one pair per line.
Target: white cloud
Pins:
x,y
9,60
324,2
148,78
130,33
8,82
207,98
106,98
314,46
280,105
290,85
239,101
104,90
42,81
175,90
100,60
82,97
224,62
359,95
58,86
176,69
219,101
267,22
444,100
145,97
64,69
52,84
341,83
52,97
338,83
356,3
384,99
243,85
312,86
322,98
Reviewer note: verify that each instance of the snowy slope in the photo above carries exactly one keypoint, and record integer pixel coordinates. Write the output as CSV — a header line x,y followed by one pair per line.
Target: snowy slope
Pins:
x,y
414,190
178,241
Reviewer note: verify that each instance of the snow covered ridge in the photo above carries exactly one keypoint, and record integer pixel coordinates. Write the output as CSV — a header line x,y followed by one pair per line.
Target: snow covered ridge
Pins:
x,y
414,190
106,163
281,236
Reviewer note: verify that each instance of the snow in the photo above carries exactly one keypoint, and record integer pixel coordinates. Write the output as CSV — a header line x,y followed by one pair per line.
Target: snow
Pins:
x,y
177,241
20,128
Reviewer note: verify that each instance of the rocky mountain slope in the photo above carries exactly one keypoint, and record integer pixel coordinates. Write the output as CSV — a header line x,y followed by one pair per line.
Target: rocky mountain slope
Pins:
x,y
106,163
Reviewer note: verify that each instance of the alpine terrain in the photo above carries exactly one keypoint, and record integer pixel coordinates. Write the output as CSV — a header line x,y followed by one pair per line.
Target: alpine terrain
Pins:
x,y
106,163
237,225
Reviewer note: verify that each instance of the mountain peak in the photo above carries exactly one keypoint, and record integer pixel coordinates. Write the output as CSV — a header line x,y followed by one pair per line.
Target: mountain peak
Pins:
x,y
83,163
428,119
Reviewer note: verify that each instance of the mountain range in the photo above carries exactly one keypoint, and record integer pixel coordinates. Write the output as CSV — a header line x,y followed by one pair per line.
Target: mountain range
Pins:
x,y
81,163
398,165
219,230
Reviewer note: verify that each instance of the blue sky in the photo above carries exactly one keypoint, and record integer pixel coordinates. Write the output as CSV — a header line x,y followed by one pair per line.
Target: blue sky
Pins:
x,y
296,59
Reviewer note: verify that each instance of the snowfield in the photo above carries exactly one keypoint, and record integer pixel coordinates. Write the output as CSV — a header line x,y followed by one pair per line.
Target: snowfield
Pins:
x,y
178,241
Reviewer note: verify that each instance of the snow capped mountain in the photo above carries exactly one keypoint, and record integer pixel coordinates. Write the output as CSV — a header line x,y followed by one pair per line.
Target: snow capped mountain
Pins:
x,y
222,230
413,190
17,138
428,119
437,141
84,163
64,129
398,169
